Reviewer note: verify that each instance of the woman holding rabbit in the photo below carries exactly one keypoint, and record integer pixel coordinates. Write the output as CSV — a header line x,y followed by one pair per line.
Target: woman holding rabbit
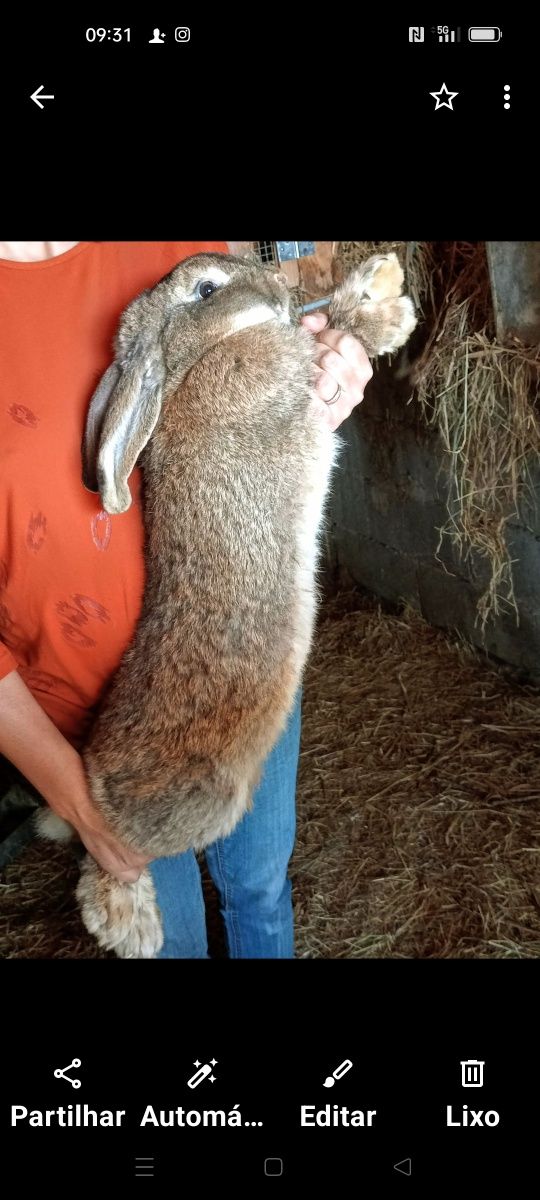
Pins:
x,y
71,580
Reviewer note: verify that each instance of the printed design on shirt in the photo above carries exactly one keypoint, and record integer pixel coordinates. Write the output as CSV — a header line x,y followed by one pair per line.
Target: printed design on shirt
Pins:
x,y
3,574
37,529
23,415
75,615
76,637
43,681
101,526
40,679
92,608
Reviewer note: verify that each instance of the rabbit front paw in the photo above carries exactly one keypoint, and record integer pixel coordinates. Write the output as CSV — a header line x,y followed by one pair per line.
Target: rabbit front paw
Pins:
x,y
123,917
369,304
397,320
378,278
390,317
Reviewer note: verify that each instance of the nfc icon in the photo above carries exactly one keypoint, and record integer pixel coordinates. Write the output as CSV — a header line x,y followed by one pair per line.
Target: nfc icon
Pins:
x,y
416,33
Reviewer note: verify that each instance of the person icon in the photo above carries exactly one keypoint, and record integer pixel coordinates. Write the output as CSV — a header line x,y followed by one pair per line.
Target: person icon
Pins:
x,y
158,38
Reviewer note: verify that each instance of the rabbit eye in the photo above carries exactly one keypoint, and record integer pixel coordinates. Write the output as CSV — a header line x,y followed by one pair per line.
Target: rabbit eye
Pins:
x,y
206,288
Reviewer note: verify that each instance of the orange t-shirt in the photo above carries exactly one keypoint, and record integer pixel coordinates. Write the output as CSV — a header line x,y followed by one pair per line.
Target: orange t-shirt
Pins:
x,y
71,576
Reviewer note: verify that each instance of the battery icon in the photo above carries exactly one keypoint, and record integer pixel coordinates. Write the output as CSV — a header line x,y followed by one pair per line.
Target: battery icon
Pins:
x,y
485,33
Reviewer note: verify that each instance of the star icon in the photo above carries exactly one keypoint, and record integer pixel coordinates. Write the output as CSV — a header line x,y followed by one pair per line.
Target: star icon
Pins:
x,y
448,97
213,1062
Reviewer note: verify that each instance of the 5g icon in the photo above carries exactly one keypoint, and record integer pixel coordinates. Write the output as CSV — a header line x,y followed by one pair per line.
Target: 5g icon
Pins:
x,y
182,34
416,33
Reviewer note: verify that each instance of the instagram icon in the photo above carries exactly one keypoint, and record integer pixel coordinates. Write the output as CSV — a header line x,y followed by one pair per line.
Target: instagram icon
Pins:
x,y
182,34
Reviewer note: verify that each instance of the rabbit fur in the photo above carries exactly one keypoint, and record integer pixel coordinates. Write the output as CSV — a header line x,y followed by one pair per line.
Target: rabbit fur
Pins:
x,y
212,395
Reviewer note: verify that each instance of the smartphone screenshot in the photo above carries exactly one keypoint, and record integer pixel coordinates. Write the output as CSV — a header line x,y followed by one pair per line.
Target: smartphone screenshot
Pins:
x,y
269,595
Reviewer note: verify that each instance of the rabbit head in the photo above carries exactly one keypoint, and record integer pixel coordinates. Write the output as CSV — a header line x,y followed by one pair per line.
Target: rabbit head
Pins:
x,y
162,334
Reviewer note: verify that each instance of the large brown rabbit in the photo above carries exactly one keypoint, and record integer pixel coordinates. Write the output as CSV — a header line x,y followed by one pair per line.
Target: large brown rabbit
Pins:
x,y
211,390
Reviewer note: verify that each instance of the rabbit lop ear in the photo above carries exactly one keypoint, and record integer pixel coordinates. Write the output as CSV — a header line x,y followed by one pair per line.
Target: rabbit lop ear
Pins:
x,y
123,413
94,424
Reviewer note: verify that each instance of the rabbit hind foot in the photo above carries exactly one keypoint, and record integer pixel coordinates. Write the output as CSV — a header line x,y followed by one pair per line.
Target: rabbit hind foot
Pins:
x,y
123,917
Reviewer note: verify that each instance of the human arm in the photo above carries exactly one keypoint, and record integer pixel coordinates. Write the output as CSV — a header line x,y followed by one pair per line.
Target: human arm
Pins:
x,y
30,740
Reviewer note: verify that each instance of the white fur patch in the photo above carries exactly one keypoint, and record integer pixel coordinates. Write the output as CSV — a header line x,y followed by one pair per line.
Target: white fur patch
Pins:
x,y
308,539
215,275
256,315
52,827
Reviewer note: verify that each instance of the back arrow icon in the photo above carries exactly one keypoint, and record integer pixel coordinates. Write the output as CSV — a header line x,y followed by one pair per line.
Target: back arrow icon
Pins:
x,y
37,96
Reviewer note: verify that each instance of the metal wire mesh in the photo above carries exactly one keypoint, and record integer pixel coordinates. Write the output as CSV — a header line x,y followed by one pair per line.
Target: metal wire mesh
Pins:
x,y
266,251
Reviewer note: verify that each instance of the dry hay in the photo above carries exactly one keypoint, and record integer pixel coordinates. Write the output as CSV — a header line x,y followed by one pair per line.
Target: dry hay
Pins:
x,y
418,807
419,796
482,397
38,914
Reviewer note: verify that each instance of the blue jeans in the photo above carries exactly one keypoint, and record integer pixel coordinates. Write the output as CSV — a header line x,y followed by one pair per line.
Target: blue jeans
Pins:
x,y
249,869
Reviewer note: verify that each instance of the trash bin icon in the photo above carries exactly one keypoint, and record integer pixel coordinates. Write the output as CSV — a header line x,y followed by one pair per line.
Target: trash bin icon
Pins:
x,y
472,1073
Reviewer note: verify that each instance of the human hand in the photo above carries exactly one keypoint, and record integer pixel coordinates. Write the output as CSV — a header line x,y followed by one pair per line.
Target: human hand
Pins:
x,y
126,865
77,807
340,361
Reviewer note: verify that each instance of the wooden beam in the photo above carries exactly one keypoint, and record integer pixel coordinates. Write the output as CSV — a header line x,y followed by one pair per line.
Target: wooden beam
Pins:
x,y
515,283
316,272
